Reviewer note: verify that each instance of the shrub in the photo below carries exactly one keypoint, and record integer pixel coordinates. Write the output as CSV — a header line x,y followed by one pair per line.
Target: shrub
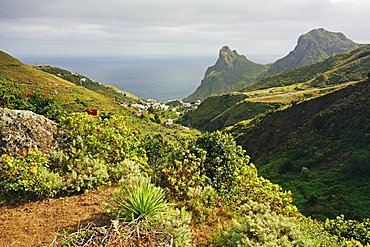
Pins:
x,y
39,102
358,164
123,170
145,206
137,199
184,173
85,174
28,177
80,170
203,202
263,227
176,222
108,139
223,158
349,229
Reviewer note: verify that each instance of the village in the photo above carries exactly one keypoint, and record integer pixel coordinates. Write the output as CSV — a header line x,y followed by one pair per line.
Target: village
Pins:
x,y
151,105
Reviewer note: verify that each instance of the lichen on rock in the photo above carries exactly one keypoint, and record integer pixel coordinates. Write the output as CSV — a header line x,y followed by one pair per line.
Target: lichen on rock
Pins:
x,y
21,129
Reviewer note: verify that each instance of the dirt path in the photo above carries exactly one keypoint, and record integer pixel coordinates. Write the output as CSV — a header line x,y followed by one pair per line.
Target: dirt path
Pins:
x,y
36,223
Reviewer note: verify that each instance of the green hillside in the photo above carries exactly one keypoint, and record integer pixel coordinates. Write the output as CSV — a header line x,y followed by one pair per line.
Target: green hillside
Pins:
x,y
199,189
68,89
314,46
318,149
340,68
219,111
307,130
230,73
282,90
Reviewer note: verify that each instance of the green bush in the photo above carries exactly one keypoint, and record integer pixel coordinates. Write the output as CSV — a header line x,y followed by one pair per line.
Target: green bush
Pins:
x,y
145,206
358,164
349,229
39,102
107,138
99,152
176,223
137,199
203,202
263,227
211,159
223,158
28,177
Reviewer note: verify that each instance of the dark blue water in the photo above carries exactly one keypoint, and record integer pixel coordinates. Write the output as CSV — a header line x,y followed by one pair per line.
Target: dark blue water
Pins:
x,y
161,79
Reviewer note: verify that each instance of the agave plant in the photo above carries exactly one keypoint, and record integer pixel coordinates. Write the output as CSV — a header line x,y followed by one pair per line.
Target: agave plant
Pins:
x,y
137,199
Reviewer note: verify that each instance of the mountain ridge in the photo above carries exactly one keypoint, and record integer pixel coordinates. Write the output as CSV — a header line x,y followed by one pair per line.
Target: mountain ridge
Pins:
x,y
232,71
314,46
282,90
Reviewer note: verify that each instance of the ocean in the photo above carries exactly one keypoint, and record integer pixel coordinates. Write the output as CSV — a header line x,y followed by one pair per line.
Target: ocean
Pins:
x,y
159,78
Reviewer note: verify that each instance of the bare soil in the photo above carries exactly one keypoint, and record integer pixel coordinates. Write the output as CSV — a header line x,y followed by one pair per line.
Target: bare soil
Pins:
x,y
37,223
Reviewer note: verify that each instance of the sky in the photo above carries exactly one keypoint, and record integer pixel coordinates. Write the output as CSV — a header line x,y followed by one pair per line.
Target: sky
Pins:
x,y
255,28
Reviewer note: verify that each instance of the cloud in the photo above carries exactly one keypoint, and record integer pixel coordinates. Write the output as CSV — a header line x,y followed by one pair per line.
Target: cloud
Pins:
x,y
173,26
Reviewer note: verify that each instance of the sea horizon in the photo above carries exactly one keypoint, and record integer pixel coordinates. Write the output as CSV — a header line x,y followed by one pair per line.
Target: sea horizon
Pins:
x,y
161,78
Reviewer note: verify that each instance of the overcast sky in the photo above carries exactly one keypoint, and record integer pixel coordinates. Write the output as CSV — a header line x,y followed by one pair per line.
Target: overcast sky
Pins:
x,y
164,27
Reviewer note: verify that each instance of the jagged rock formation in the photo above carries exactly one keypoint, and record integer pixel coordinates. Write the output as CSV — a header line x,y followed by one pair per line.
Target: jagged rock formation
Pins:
x,y
225,60
26,130
312,47
231,72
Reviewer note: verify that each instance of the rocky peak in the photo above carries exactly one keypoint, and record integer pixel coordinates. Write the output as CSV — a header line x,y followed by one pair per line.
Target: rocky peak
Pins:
x,y
26,130
314,46
225,59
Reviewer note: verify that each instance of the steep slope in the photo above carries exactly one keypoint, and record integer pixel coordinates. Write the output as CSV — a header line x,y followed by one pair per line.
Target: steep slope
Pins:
x,y
230,73
213,106
314,46
318,149
340,68
219,111
282,89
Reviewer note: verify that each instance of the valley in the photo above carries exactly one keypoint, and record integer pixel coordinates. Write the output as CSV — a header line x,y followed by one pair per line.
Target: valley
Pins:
x,y
285,151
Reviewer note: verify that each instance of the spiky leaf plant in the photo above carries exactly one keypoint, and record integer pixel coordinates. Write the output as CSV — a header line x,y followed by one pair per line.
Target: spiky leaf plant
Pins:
x,y
137,199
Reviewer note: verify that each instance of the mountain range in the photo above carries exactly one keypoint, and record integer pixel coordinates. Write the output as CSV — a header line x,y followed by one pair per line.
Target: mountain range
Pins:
x,y
233,71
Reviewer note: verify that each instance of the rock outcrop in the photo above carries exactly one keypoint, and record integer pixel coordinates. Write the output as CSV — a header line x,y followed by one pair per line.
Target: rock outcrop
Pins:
x,y
312,47
225,59
231,72
26,130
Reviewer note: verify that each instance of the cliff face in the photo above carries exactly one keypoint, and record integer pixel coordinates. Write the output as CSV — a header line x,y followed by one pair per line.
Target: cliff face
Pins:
x,y
312,47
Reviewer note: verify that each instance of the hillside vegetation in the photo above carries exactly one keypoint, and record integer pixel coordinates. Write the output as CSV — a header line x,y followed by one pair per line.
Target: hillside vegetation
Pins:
x,y
318,149
67,89
173,185
283,90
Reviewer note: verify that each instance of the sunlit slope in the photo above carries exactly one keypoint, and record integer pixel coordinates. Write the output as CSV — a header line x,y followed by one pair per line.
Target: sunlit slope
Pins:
x,y
341,68
66,93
